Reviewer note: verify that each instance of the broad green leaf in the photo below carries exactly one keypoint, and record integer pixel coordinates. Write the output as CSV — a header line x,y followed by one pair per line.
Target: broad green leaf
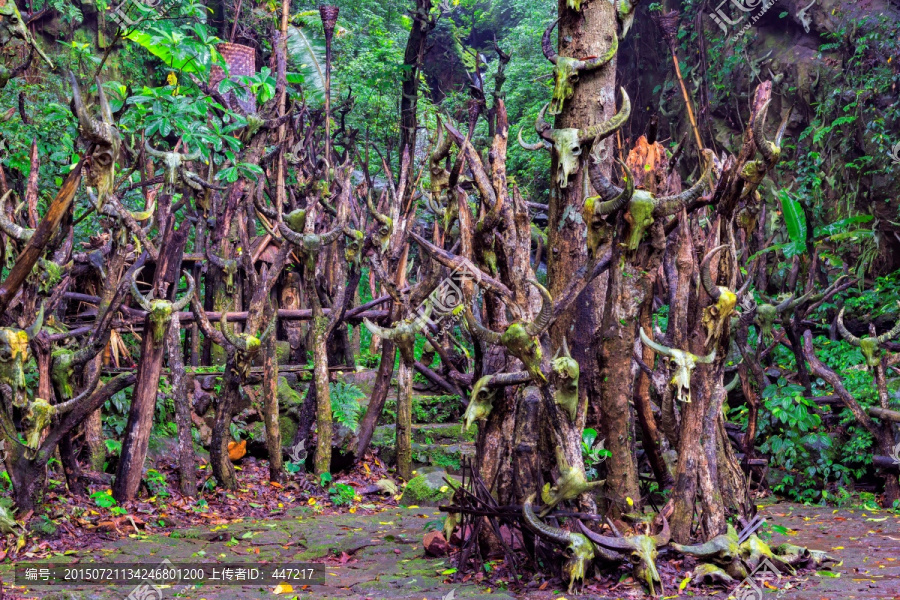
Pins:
x,y
306,56
794,218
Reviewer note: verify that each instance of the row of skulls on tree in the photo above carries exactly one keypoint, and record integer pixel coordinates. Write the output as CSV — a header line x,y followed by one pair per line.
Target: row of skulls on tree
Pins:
x,y
729,183
302,230
494,244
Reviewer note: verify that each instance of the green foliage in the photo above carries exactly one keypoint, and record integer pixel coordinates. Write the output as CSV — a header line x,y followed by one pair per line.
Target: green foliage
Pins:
x,y
341,494
345,407
156,483
593,452
103,499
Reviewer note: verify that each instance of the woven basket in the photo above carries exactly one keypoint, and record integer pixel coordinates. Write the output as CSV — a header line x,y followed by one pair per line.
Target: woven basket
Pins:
x,y
241,61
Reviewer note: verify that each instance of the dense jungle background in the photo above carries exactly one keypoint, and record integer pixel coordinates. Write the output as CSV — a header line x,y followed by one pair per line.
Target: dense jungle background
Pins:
x,y
603,282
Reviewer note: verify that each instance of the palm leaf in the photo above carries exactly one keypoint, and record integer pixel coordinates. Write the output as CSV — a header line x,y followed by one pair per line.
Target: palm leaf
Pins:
x,y
306,57
794,218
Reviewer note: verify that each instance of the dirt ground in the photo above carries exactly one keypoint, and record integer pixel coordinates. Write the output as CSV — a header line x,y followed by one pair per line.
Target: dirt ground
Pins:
x,y
381,555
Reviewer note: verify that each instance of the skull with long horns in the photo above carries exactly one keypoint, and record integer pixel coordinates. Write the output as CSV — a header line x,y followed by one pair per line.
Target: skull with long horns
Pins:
x,y
567,143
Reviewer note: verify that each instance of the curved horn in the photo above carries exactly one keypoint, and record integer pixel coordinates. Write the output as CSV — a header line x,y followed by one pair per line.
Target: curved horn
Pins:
x,y
236,341
270,329
8,227
786,304
545,317
105,110
889,335
610,543
217,260
152,151
138,296
192,156
181,304
733,383
383,219
659,348
262,222
701,551
547,43
607,191
90,386
843,330
610,206
663,537
594,63
290,235
706,360
442,145
783,127
566,348
669,205
378,330
552,533
603,130
765,147
706,277
479,331
90,128
35,327
330,237
527,146
750,273
541,126
262,208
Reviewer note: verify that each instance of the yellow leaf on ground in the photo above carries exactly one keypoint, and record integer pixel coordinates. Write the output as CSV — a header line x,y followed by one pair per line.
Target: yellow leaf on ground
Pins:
x,y
283,588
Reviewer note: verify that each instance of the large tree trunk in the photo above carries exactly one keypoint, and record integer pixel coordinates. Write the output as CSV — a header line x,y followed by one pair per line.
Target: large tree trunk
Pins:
x,y
324,425
222,468
404,421
413,59
187,469
377,399
271,410
143,401
590,32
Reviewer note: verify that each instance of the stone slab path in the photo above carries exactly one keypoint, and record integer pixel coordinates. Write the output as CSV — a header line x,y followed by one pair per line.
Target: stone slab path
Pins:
x,y
383,558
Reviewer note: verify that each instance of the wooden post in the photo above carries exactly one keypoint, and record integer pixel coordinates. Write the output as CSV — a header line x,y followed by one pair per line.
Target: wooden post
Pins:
x,y
143,400
42,236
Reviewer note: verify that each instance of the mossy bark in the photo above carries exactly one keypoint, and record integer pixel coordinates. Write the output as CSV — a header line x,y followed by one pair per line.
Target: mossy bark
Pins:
x,y
187,468
271,411
404,421
324,425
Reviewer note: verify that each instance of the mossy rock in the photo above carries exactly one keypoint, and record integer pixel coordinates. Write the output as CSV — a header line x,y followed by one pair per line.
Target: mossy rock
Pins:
x,y
283,352
288,397
288,431
429,489
257,432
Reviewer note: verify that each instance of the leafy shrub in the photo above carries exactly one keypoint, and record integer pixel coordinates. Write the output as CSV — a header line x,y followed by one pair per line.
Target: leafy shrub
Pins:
x,y
345,407
341,494
103,499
